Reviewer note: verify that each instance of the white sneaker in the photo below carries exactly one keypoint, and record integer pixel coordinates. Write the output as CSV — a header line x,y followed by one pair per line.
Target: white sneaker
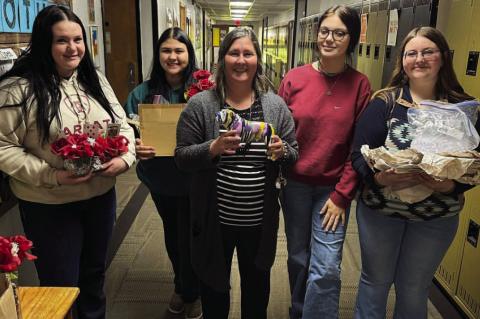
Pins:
x,y
176,304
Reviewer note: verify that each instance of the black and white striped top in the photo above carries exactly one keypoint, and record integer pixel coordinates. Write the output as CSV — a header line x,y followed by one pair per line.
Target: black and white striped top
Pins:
x,y
241,180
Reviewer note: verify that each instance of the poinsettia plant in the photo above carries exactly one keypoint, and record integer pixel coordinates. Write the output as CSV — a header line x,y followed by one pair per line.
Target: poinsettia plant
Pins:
x,y
202,82
13,250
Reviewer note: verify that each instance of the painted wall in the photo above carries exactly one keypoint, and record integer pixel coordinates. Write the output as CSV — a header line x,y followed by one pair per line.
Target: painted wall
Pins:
x,y
81,10
146,35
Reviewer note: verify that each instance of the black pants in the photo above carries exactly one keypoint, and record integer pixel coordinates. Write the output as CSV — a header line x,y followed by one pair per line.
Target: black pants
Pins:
x,y
254,282
70,241
175,214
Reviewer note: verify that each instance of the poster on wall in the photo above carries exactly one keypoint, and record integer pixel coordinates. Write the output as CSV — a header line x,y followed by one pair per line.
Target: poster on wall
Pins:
x,y
363,30
169,18
91,11
392,28
94,44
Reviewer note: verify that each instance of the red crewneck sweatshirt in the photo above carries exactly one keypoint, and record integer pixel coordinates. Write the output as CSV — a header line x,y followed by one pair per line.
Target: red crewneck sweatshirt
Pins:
x,y
325,125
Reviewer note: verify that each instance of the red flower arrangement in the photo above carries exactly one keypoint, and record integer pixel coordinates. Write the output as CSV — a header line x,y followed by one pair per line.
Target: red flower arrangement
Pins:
x,y
13,250
202,82
86,150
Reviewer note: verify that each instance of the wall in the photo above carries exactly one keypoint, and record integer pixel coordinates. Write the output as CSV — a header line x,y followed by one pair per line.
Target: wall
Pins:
x,y
146,37
81,10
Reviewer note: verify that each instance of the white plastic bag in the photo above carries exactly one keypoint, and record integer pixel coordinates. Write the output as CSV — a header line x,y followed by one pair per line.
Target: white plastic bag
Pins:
x,y
439,127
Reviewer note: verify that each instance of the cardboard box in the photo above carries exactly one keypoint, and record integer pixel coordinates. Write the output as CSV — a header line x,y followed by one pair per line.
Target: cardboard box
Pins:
x,y
158,126
7,300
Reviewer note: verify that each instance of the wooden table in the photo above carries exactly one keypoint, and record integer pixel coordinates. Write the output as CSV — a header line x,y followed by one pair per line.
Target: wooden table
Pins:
x,y
47,302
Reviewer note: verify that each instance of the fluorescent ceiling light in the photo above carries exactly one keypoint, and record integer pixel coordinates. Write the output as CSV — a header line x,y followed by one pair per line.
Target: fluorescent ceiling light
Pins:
x,y
236,16
240,4
244,11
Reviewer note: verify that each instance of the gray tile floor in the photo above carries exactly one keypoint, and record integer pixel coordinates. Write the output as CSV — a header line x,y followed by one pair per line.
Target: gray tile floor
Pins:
x,y
139,280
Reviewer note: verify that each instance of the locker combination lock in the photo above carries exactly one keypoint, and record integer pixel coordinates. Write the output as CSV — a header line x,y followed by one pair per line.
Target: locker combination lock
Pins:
x,y
472,235
472,63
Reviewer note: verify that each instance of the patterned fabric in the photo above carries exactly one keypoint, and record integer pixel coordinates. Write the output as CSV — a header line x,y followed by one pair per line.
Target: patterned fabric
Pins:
x,y
241,179
437,205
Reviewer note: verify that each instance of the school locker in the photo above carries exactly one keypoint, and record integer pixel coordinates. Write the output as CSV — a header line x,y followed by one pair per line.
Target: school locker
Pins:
x,y
391,51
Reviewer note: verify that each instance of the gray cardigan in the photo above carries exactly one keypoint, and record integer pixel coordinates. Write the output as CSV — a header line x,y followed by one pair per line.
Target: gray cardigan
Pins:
x,y
196,130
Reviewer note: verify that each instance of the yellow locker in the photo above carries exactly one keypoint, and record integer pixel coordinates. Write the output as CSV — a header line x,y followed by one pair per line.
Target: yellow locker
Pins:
x,y
457,30
448,271
379,50
468,291
370,45
471,83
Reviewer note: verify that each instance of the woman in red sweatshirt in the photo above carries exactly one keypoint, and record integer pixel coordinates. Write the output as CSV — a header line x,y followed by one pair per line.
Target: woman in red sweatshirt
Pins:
x,y
326,99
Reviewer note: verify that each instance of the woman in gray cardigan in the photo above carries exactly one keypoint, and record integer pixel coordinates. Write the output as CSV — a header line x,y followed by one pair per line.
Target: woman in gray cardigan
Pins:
x,y
234,201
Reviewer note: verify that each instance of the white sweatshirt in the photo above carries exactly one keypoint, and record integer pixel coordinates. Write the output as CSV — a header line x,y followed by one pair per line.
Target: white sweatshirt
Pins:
x,y
31,165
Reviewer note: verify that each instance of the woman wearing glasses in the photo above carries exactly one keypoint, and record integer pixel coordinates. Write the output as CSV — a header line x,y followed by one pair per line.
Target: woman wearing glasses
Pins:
x,y
404,243
326,99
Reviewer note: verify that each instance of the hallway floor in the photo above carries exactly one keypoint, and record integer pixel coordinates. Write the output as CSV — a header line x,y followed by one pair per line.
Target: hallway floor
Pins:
x,y
140,278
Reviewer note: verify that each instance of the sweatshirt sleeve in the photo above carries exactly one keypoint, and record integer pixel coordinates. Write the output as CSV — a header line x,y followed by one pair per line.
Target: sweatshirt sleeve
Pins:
x,y
346,187
15,158
192,152
125,129
371,130
287,132
136,97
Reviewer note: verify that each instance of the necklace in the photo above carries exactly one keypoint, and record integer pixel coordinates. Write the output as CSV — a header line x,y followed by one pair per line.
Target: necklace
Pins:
x,y
328,75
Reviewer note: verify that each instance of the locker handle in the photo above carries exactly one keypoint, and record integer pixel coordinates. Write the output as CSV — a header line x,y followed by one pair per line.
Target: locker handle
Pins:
x,y
473,231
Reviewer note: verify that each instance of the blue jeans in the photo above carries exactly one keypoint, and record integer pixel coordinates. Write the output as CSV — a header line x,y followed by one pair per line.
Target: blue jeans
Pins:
x,y
400,252
314,256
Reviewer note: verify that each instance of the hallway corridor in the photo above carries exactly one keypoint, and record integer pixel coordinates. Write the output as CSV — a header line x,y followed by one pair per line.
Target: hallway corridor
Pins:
x,y
140,279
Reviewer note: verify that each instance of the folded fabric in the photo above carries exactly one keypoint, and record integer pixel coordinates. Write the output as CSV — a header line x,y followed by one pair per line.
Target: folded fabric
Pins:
x,y
249,131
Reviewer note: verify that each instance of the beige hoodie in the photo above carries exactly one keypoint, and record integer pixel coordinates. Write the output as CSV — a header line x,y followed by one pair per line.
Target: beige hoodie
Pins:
x,y
31,165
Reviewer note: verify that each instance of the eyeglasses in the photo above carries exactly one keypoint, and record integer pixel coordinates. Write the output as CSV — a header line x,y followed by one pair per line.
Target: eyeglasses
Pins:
x,y
427,54
337,34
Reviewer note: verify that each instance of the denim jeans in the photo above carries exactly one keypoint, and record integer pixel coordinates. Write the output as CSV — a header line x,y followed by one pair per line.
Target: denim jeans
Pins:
x,y
70,241
400,252
314,256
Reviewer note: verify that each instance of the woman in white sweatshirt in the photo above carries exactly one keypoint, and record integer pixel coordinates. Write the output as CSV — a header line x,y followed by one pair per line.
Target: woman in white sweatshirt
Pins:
x,y
53,90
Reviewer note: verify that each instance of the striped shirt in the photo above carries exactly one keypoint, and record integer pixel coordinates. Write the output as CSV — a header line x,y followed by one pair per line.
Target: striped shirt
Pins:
x,y
241,180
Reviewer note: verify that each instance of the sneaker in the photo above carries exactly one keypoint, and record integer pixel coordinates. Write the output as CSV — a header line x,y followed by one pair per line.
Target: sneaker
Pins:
x,y
193,310
176,304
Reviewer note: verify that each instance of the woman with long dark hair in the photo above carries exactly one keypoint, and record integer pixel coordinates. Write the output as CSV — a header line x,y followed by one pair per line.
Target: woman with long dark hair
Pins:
x,y
403,243
233,186
54,90
326,99
173,66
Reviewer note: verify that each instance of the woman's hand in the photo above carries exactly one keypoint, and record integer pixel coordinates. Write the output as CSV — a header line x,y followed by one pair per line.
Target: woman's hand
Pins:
x,y
397,181
143,152
276,149
445,186
114,167
332,215
227,143
65,177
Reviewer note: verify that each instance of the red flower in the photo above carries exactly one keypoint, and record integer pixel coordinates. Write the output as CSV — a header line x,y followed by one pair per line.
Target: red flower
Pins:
x,y
23,245
73,146
8,260
201,74
202,83
116,146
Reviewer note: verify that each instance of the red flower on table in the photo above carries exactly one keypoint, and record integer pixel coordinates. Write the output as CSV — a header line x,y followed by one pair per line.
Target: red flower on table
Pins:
x,y
13,250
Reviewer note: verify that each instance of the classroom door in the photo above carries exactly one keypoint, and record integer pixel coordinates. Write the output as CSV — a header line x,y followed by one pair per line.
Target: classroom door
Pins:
x,y
121,61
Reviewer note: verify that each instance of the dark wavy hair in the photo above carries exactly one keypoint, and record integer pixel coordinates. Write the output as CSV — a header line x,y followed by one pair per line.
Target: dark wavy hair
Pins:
x,y
350,19
37,67
158,82
259,84
447,83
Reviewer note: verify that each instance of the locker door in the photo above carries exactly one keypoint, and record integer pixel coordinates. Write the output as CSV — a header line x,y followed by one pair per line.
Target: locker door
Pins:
x,y
391,51
379,47
361,50
422,14
471,76
370,45
468,284
456,31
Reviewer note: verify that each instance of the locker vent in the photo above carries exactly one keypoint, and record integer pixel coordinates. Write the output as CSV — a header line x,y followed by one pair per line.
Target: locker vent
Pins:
x,y
423,2
407,3
374,7
445,274
472,304
383,5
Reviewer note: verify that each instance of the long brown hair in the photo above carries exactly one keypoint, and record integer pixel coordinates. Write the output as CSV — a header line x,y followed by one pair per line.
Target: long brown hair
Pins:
x,y
447,83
